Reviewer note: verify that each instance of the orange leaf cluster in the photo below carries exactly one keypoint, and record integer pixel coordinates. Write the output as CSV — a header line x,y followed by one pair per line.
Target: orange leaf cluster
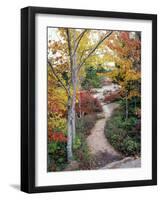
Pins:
x,y
57,137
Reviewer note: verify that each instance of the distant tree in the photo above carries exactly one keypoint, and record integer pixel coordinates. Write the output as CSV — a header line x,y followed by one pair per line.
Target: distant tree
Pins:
x,y
126,47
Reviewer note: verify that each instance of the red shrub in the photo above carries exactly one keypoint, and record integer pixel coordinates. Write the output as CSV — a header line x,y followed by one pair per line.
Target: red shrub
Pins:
x,y
112,97
57,137
87,103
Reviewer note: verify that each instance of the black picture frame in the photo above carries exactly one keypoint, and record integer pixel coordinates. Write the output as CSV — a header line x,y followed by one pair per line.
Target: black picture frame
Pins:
x,y
28,98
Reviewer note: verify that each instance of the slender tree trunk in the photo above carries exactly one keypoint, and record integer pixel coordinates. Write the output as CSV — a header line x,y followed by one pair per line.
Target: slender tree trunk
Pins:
x,y
71,118
69,138
74,81
72,101
74,84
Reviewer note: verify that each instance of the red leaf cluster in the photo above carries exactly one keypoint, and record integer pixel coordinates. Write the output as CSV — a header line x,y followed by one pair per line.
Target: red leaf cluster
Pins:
x,y
133,43
124,35
87,103
127,46
57,137
112,97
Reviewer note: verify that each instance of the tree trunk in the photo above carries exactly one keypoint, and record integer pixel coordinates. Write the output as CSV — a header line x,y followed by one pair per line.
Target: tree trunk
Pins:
x,y
71,104
69,138
71,118
74,82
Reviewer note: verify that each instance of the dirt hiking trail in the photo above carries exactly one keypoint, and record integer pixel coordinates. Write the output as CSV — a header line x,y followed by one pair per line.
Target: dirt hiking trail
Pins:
x,y
103,153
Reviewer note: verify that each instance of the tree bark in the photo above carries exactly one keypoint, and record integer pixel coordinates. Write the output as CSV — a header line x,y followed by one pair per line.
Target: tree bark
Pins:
x,y
74,82
69,137
71,119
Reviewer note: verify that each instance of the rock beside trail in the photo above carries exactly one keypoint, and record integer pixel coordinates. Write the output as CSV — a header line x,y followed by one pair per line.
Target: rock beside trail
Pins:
x,y
103,158
128,162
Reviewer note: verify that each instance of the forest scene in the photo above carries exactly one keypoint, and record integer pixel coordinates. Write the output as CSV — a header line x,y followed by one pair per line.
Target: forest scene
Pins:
x,y
94,99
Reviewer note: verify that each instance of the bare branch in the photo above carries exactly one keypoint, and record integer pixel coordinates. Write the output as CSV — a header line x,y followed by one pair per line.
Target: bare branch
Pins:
x,y
69,47
57,77
93,50
79,39
78,36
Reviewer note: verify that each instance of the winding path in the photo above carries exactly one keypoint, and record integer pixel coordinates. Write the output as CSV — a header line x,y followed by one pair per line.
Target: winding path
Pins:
x,y
104,154
97,142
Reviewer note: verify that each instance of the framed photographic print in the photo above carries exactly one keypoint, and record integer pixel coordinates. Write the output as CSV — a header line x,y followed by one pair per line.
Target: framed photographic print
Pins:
x,y
88,99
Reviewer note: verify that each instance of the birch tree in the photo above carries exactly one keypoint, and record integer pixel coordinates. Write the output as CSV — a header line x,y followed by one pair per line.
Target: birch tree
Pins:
x,y
75,47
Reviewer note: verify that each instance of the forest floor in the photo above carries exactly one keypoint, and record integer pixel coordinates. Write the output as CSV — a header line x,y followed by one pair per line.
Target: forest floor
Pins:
x,y
102,152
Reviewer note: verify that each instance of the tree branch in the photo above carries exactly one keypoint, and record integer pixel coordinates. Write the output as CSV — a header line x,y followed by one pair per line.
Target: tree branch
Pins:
x,y
93,50
79,39
83,53
57,77
69,47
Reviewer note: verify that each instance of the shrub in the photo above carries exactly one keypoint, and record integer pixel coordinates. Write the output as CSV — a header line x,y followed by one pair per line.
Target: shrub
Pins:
x,y
57,137
91,80
131,146
87,104
122,134
80,147
88,83
57,155
77,143
81,153
113,96
56,123
134,107
85,124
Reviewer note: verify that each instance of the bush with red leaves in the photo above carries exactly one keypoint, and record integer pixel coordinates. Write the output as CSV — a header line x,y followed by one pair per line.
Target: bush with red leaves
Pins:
x,y
87,103
57,137
113,96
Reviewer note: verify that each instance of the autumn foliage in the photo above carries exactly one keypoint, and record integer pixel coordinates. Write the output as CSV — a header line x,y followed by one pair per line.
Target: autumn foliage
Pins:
x,y
87,103
80,61
113,96
57,137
